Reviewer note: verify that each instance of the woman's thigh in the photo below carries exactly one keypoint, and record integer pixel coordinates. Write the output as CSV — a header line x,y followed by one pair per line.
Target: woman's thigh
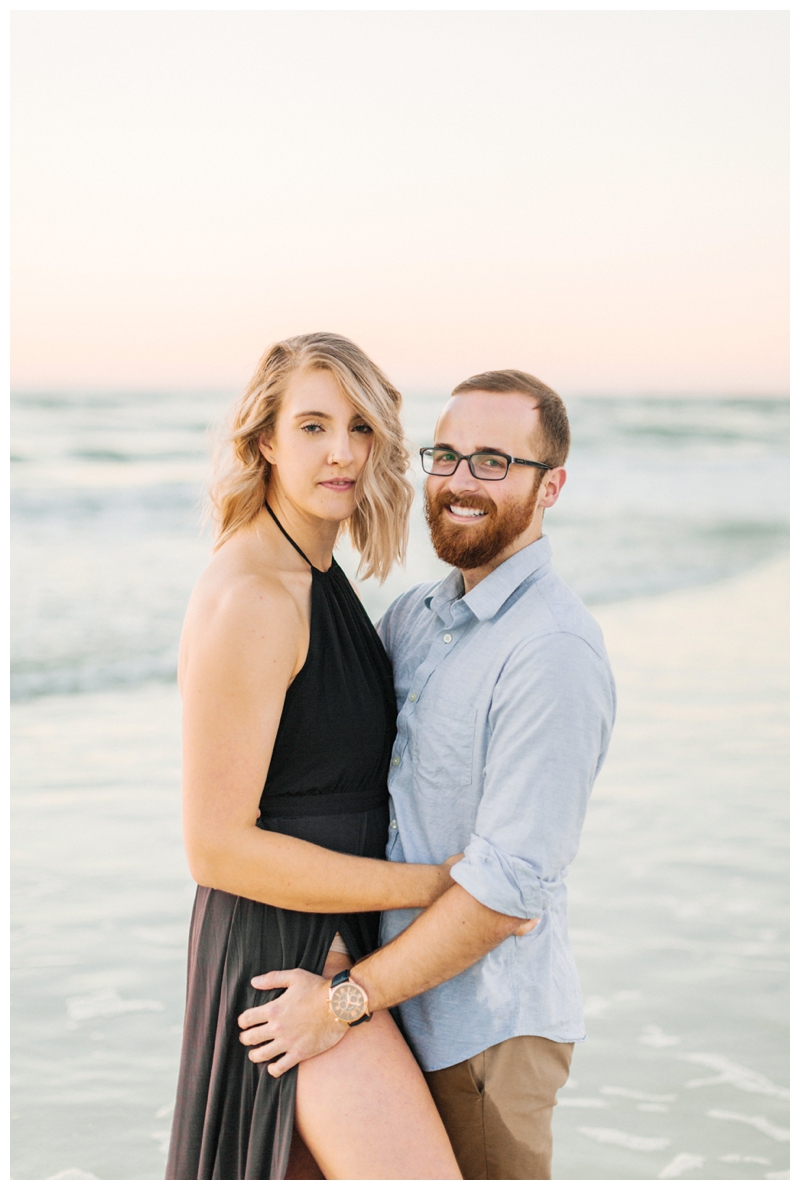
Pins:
x,y
364,1109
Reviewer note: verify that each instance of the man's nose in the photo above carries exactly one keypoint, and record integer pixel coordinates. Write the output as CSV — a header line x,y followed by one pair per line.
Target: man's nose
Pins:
x,y
464,476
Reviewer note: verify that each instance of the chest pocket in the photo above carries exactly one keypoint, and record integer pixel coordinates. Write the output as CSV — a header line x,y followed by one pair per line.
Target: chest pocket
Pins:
x,y
445,742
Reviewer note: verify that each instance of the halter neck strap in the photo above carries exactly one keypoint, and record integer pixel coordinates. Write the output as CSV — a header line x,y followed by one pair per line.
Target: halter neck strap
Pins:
x,y
288,538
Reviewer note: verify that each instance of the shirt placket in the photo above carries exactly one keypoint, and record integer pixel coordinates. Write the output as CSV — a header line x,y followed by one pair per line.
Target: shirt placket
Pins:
x,y
454,620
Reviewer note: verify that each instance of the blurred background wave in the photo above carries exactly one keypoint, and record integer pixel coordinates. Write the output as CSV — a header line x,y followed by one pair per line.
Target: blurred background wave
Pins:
x,y
107,534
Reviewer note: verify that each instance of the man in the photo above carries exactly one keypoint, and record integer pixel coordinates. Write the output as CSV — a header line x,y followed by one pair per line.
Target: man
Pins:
x,y
506,707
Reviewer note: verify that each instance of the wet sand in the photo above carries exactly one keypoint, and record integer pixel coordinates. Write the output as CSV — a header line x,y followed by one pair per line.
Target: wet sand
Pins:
x,y
679,906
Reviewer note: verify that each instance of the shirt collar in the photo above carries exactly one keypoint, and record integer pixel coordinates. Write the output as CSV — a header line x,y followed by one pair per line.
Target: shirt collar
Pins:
x,y
485,600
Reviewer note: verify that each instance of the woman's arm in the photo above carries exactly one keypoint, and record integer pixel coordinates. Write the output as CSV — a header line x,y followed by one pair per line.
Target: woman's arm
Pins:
x,y
242,651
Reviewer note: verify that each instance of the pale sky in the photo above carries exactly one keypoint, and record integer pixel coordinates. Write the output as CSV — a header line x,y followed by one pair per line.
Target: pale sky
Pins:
x,y
600,198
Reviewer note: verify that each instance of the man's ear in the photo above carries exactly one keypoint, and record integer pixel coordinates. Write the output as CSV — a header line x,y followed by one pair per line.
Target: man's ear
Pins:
x,y
551,486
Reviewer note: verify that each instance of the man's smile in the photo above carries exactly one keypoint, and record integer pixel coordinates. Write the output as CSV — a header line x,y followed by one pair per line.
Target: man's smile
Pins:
x,y
459,512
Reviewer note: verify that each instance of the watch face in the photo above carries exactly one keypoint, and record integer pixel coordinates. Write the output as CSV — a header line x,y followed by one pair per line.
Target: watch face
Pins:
x,y
348,1002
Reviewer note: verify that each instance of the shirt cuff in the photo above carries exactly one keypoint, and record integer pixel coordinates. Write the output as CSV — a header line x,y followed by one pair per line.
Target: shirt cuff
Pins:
x,y
501,881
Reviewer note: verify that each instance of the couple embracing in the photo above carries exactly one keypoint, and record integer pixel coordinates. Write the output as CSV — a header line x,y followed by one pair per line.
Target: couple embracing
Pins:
x,y
382,820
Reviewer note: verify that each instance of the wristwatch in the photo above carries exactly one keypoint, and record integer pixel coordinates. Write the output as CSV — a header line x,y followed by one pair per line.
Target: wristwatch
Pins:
x,y
348,1002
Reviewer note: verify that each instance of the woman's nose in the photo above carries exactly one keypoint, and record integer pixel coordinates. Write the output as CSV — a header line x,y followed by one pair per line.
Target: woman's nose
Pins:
x,y
341,450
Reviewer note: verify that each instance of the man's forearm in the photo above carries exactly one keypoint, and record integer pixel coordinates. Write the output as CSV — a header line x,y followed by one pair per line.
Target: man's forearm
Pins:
x,y
442,942
447,938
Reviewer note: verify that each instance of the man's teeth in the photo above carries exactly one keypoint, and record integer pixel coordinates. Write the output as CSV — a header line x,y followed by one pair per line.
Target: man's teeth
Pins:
x,y
457,510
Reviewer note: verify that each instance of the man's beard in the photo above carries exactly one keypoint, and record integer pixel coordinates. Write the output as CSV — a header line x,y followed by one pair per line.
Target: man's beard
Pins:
x,y
471,546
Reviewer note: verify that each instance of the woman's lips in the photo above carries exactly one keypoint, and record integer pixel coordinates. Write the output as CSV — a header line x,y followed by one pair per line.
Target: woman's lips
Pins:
x,y
338,485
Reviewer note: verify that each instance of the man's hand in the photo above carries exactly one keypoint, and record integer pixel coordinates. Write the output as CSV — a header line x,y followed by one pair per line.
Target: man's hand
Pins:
x,y
298,1025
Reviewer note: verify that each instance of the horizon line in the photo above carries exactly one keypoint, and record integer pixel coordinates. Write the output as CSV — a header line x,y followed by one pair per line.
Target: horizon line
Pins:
x,y
415,390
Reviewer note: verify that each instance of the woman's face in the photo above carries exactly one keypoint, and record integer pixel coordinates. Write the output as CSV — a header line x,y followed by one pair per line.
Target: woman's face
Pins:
x,y
319,447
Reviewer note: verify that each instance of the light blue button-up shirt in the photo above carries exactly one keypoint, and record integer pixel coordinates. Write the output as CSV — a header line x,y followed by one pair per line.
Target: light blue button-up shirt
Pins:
x,y
505,707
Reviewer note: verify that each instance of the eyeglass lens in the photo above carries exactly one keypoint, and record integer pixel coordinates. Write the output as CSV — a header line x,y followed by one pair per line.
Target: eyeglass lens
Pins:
x,y
482,466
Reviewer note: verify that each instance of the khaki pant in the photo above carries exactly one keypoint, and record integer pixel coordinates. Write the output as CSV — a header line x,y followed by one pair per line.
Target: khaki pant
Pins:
x,y
498,1106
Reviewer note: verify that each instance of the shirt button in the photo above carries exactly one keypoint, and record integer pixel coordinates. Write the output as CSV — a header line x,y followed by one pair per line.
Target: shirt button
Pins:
x,y
447,638
395,761
393,824
412,696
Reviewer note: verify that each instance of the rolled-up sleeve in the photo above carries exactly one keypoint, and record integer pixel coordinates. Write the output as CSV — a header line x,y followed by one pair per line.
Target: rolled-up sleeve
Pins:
x,y
549,726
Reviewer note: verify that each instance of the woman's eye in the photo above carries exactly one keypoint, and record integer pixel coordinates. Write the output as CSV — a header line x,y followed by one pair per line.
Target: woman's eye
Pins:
x,y
362,428
312,427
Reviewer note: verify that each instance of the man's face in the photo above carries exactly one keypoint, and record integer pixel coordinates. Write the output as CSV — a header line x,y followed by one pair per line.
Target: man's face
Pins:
x,y
473,521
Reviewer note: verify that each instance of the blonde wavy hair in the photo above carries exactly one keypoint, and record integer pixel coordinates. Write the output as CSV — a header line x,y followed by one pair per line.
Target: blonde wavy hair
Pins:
x,y
379,526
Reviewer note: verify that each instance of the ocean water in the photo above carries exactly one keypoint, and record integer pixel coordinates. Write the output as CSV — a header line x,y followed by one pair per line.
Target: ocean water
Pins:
x,y
107,541
678,896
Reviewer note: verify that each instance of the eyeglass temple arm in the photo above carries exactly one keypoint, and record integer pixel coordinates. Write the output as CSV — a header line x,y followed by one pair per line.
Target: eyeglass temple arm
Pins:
x,y
530,463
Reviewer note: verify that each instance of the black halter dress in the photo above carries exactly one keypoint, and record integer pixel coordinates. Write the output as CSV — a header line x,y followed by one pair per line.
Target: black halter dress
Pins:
x,y
326,784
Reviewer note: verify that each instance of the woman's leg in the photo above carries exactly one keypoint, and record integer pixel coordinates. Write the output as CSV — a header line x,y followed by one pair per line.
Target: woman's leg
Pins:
x,y
302,1167
364,1109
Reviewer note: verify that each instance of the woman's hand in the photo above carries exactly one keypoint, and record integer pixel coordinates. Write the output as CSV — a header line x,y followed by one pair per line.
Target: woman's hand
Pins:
x,y
448,882
526,927
445,880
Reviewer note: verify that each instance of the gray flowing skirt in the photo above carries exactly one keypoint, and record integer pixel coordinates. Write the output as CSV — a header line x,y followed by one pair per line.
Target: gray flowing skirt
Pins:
x,y
233,1120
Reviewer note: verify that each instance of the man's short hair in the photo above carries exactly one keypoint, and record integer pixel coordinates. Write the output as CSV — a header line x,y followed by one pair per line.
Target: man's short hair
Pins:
x,y
553,420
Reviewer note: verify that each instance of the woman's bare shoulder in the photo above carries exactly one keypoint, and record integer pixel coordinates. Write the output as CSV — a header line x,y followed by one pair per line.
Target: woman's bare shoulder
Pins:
x,y
242,611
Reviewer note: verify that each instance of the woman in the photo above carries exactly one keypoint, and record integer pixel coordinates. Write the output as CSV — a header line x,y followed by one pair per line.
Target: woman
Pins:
x,y
289,717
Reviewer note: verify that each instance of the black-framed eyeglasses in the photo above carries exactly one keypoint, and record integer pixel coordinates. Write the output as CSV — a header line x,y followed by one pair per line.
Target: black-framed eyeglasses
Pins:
x,y
484,464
